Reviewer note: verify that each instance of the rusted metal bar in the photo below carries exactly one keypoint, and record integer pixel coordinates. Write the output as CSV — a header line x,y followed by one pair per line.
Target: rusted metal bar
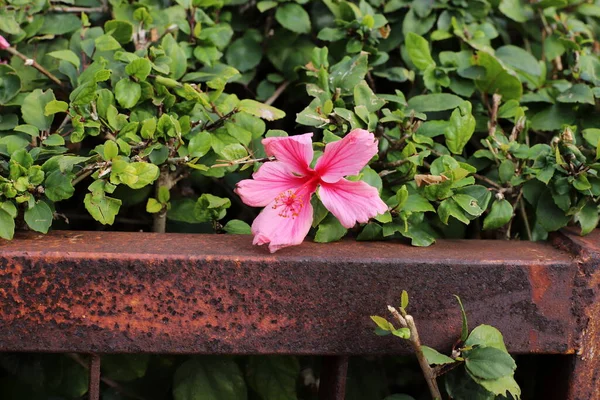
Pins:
x,y
94,382
332,382
584,380
218,294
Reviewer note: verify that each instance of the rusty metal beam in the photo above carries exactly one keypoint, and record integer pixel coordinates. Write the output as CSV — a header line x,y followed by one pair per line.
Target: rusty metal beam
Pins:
x,y
332,384
218,294
584,380
94,380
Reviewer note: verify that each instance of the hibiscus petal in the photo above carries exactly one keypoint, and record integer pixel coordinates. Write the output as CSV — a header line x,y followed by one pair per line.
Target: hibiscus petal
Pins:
x,y
347,156
271,179
294,151
351,202
280,227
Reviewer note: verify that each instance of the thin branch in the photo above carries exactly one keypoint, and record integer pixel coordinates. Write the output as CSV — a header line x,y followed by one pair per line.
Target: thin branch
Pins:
x,y
494,114
246,160
34,64
407,321
391,164
277,93
87,10
211,126
488,181
82,177
525,218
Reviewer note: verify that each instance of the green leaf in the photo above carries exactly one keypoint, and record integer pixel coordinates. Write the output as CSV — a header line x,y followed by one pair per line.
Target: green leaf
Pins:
x,y
489,363
266,5
501,386
486,335
588,217
55,106
122,31
153,206
139,68
7,225
293,17
578,93
58,186
10,84
449,208
66,55
273,377
200,144
237,227
244,54
106,43
418,51
178,64
465,324
103,208
349,72
330,230
33,108
468,203
260,110
124,367
404,299
460,129
548,215
500,213
497,79
436,358
519,59
434,102
203,378
371,231
382,323
111,150
127,93
364,96
513,9
39,217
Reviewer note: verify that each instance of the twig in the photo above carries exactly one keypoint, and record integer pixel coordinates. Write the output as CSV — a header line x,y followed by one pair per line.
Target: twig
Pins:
x,y
216,124
391,164
86,10
488,181
115,385
277,93
34,64
525,219
82,177
160,218
242,161
407,321
494,114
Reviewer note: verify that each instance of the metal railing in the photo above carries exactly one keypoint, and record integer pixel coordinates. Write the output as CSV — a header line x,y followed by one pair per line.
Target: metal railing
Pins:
x,y
115,292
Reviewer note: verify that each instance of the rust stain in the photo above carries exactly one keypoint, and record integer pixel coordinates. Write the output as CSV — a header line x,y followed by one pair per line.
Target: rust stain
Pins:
x,y
540,282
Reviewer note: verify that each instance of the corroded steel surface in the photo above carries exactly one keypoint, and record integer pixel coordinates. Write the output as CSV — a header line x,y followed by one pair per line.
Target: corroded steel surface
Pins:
x,y
180,293
584,382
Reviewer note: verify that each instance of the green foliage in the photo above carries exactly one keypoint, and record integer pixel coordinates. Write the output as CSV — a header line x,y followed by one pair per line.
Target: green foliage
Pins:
x,y
479,368
473,106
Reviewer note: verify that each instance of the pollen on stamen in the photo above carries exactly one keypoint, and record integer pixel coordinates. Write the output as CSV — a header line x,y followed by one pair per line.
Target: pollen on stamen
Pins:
x,y
289,204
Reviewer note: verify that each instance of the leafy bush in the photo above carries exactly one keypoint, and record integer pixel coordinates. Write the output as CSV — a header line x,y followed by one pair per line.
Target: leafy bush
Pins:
x,y
484,110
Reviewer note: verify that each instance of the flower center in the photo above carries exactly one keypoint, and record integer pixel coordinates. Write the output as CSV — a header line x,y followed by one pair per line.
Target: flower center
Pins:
x,y
288,204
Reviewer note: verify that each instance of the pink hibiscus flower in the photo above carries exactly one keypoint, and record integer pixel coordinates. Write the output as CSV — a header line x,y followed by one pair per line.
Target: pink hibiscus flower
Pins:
x,y
4,43
285,187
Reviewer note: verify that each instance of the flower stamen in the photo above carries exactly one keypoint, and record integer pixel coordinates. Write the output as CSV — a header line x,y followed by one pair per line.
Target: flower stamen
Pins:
x,y
289,204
